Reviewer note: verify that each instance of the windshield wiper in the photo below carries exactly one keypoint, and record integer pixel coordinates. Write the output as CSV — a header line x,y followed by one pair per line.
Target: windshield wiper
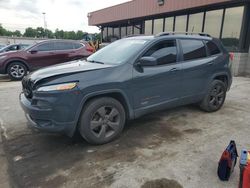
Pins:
x,y
92,61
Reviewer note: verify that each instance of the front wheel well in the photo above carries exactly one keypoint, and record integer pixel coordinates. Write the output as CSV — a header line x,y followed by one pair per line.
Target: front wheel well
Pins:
x,y
116,95
13,61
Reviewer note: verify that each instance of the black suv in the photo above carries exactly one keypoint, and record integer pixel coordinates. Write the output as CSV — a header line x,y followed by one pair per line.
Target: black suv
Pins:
x,y
125,80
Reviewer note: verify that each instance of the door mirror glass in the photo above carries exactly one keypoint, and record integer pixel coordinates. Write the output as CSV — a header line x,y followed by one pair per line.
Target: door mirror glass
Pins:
x,y
148,61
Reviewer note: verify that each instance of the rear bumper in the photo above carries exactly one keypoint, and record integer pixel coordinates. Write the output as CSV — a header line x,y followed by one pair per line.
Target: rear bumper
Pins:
x,y
52,119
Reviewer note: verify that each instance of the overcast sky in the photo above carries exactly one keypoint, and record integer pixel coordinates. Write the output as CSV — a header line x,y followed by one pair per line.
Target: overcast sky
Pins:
x,y
63,14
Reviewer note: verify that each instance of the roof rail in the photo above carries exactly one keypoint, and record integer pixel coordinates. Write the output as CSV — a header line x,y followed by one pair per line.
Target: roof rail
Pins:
x,y
133,35
186,33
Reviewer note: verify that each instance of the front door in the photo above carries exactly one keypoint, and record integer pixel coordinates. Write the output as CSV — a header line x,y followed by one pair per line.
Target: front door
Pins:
x,y
157,85
42,55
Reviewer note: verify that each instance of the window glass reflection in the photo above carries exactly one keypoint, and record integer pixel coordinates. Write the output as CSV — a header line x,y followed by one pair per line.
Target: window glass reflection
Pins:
x,y
180,23
123,32
117,32
169,24
148,27
232,28
129,30
195,22
104,34
158,26
137,29
213,23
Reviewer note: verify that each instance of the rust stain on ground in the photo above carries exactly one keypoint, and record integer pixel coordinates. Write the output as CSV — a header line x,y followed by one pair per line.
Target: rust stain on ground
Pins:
x,y
192,131
44,154
161,183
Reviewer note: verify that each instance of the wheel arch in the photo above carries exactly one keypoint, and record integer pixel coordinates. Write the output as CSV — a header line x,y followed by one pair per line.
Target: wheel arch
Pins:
x,y
116,94
224,77
16,60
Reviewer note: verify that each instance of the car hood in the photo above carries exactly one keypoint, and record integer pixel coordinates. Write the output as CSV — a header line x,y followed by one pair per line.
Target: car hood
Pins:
x,y
65,69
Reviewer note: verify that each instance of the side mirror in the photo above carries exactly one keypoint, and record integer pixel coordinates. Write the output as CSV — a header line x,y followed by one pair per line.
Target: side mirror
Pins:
x,y
33,51
147,61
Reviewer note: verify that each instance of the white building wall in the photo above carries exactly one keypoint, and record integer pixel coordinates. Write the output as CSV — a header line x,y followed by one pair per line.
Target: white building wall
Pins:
x,y
241,64
16,40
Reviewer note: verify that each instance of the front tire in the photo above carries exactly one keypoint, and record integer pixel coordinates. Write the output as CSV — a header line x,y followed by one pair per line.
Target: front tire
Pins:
x,y
102,120
16,71
214,99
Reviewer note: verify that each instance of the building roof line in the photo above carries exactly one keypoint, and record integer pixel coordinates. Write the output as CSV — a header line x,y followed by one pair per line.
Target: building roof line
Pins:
x,y
127,2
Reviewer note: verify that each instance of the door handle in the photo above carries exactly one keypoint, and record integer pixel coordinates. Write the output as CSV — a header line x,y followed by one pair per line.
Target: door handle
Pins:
x,y
174,70
210,63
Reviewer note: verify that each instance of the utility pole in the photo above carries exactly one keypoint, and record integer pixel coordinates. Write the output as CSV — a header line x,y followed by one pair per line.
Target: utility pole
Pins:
x,y
45,24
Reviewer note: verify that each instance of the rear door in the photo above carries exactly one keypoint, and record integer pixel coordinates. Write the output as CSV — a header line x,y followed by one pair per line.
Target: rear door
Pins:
x,y
65,51
197,67
159,84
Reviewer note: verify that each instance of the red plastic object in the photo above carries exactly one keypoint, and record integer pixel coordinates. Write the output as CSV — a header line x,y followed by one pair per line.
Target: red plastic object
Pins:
x,y
89,48
246,177
231,56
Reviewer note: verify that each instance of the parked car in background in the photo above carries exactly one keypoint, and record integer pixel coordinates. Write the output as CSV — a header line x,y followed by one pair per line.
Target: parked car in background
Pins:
x,y
17,64
1,46
13,47
129,78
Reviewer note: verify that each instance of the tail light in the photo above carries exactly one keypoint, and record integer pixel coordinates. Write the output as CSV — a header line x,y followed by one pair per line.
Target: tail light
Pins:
x,y
231,56
89,48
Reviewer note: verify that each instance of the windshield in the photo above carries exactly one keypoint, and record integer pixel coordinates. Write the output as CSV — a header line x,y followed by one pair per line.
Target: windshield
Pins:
x,y
118,52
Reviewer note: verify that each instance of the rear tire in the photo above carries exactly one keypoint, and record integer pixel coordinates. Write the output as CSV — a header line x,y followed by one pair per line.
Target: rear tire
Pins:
x,y
215,97
16,70
102,120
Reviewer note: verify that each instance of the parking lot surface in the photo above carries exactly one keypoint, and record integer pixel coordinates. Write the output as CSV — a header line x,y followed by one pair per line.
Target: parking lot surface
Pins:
x,y
173,148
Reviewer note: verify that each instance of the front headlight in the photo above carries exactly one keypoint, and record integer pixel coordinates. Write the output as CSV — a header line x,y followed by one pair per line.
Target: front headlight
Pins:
x,y
58,87
2,57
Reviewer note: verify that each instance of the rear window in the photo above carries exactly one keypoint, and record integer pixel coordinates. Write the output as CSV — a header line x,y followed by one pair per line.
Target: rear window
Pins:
x,y
193,49
77,45
46,47
212,48
64,45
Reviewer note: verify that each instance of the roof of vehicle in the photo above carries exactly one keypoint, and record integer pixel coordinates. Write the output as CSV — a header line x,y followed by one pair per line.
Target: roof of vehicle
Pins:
x,y
51,40
172,35
57,40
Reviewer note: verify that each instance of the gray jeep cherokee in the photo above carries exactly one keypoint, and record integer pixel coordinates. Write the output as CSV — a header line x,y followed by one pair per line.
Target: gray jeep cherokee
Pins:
x,y
125,80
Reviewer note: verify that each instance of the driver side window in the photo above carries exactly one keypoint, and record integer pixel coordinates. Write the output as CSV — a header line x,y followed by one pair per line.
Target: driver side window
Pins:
x,y
46,47
165,52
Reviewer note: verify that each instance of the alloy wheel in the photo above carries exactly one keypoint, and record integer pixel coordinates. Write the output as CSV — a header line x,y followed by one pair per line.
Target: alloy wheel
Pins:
x,y
105,122
17,71
217,96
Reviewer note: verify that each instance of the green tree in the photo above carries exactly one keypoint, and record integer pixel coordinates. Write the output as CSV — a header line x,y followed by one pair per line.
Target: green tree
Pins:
x,y
40,33
17,33
79,35
98,36
49,34
70,35
3,31
59,34
30,32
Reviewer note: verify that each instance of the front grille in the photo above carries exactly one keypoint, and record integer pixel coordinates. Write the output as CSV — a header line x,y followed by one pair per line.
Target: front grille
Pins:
x,y
27,87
